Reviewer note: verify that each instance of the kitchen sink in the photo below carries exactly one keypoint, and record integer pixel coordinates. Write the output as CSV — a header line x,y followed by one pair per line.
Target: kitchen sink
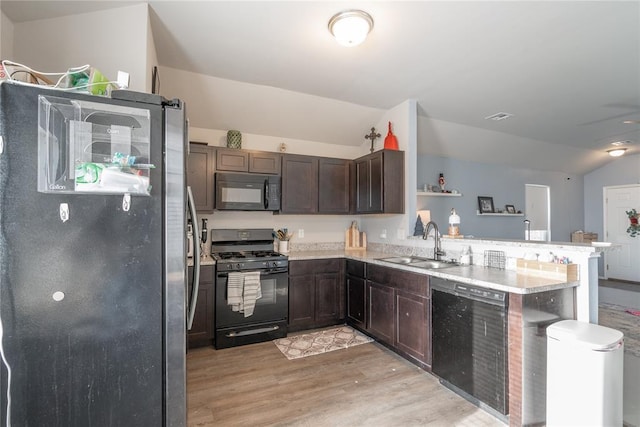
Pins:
x,y
433,264
404,259
419,262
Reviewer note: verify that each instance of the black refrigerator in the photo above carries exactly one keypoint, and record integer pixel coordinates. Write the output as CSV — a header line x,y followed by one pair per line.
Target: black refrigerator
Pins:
x,y
92,258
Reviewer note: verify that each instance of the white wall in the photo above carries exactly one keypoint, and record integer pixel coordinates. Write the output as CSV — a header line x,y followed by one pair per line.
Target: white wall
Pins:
x,y
152,55
216,137
6,37
109,40
216,103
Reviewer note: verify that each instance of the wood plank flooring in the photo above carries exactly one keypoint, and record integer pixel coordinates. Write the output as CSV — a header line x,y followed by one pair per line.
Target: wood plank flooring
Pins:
x,y
367,385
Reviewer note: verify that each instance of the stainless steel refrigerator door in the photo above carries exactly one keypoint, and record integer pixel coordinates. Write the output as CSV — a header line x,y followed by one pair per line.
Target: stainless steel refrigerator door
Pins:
x,y
82,297
176,272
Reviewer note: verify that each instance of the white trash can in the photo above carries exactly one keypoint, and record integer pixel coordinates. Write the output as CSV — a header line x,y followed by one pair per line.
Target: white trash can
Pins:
x,y
584,374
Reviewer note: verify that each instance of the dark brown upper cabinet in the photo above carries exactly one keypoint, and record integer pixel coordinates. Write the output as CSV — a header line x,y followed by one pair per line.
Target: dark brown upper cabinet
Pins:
x,y
234,160
333,186
379,183
299,184
315,185
200,168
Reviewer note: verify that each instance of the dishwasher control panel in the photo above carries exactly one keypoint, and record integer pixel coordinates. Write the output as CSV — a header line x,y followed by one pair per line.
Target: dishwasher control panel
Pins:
x,y
479,292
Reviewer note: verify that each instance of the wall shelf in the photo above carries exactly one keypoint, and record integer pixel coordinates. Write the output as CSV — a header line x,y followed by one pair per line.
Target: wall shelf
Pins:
x,y
499,214
434,194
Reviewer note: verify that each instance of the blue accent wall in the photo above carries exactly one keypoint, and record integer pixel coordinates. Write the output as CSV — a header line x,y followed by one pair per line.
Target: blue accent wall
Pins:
x,y
507,186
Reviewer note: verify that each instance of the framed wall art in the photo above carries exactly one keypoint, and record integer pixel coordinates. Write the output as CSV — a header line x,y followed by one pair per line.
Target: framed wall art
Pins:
x,y
485,204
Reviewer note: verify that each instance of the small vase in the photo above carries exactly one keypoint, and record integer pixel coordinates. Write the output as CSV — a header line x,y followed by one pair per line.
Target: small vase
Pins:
x,y
234,139
390,142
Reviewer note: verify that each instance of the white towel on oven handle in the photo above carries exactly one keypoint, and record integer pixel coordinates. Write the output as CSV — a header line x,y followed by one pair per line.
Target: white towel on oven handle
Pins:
x,y
235,287
252,291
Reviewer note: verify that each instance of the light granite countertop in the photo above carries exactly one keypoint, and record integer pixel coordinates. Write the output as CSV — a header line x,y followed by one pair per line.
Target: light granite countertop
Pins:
x,y
491,278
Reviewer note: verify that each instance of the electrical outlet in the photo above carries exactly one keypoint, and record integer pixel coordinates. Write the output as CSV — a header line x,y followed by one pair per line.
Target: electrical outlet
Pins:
x,y
383,235
300,233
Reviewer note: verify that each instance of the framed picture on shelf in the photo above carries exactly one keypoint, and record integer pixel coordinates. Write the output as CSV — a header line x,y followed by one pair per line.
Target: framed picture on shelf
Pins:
x,y
485,204
510,209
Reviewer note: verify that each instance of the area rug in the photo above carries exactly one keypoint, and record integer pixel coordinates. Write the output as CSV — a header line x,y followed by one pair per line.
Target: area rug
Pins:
x,y
297,346
617,317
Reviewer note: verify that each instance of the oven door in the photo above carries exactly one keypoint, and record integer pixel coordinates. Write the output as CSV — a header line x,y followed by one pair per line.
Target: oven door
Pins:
x,y
269,318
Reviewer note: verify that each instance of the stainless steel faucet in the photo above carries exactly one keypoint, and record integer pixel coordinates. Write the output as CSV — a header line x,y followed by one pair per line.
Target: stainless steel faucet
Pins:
x,y
437,250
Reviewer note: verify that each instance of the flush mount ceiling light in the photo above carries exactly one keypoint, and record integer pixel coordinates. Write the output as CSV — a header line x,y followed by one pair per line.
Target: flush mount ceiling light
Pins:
x,y
350,27
616,152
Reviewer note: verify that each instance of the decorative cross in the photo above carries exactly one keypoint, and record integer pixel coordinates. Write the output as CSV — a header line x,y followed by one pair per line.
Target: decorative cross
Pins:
x,y
372,136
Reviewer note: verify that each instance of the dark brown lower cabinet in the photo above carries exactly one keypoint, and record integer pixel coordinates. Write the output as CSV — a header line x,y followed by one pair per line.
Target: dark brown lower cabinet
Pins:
x,y
412,325
398,311
356,284
381,312
202,331
316,289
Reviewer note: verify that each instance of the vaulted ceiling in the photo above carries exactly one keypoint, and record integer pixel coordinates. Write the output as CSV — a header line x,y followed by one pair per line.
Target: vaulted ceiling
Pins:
x,y
568,71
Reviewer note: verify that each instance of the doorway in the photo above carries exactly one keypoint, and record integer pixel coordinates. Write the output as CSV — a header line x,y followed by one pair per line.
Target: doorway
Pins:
x,y
621,263
538,211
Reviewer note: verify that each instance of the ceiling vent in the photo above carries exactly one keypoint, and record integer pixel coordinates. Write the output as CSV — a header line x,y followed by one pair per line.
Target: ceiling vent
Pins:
x,y
498,116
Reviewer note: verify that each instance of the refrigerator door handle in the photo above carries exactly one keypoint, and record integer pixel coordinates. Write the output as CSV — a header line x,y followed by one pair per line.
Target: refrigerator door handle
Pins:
x,y
196,261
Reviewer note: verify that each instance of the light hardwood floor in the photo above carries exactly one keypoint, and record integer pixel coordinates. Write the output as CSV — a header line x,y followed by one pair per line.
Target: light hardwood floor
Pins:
x,y
256,385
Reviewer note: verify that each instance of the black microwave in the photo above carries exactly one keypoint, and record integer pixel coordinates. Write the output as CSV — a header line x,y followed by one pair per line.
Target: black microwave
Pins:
x,y
247,192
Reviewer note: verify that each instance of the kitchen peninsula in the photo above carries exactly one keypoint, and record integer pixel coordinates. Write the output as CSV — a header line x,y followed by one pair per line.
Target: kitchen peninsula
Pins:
x,y
533,301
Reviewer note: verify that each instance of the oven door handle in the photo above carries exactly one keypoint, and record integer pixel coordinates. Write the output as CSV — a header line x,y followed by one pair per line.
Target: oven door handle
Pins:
x,y
196,261
262,273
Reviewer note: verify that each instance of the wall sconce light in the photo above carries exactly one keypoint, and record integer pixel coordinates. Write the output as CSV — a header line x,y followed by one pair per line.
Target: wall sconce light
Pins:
x,y
616,152
351,27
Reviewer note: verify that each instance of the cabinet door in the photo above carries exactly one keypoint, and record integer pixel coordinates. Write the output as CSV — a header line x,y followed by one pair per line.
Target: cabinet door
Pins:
x,y
381,312
228,159
362,192
333,188
392,181
379,182
299,184
327,297
376,187
200,168
301,301
356,291
201,332
412,325
264,162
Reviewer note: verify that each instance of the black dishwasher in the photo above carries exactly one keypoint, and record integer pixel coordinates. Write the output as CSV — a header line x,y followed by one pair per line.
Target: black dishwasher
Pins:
x,y
469,333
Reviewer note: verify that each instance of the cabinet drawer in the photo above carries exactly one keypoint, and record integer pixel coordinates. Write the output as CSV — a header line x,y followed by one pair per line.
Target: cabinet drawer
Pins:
x,y
315,266
403,280
356,268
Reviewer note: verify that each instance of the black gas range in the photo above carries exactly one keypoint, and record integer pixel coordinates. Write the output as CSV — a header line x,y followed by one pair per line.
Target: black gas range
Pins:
x,y
250,260
241,254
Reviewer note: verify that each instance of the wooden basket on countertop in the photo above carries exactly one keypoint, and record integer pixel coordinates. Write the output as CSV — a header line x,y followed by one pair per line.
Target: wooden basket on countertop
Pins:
x,y
568,272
